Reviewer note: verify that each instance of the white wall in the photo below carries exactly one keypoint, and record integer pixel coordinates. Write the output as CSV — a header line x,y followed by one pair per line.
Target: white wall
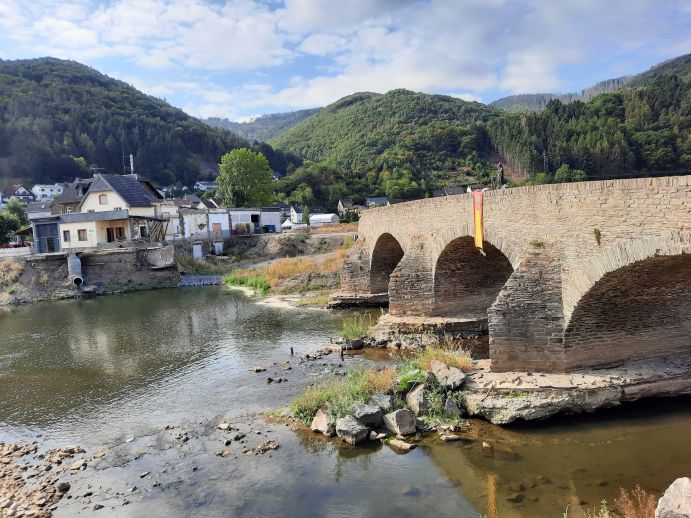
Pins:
x,y
271,218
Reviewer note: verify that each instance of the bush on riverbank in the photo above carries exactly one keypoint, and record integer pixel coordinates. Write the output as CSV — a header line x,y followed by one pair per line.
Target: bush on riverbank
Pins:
x,y
248,278
356,327
455,358
342,394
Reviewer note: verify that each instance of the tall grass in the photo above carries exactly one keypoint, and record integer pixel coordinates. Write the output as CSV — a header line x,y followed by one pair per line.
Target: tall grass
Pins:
x,y
356,327
248,278
455,358
10,271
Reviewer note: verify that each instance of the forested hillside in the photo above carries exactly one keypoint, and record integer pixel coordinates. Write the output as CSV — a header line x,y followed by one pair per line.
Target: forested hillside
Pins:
x,y
264,127
641,130
59,117
680,66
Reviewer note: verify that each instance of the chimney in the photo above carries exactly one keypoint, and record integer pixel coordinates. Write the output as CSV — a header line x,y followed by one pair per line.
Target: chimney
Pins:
x,y
131,163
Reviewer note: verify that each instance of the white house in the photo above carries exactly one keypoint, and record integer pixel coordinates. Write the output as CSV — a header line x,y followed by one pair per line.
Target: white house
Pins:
x,y
203,185
17,192
219,223
45,192
295,214
317,220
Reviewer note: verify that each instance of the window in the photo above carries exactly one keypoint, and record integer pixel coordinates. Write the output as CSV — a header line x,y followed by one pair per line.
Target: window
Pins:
x,y
103,199
81,234
119,233
142,231
66,236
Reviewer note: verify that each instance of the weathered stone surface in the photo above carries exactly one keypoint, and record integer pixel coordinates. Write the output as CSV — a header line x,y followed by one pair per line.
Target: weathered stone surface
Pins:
x,y
369,415
451,408
78,464
383,401
559,286
676,502
449,437
401,445
351,430
505,397
401,422
417,400
447,376
323,422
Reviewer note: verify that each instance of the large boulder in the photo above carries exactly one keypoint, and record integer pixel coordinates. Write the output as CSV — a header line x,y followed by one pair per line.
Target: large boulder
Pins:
x,y
400,422
323,421
448,377
383,401
370,415
351,430
676,502
418,401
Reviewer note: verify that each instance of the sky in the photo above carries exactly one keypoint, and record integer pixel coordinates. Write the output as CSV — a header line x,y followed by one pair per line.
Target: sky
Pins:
x,y
242,58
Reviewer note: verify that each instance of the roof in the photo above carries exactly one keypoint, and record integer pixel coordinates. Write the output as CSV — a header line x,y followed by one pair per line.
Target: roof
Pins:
x,y
74,192
10,190
376,200
192,198
38,206
272,209
458,189
347,202
323,217
106,215
128,187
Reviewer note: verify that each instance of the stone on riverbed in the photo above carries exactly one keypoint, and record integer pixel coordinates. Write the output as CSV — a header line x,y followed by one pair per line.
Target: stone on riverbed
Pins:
x,y
417,400
400,422
401,445
323,421
448,377
351,430
78,464
370,415
676,502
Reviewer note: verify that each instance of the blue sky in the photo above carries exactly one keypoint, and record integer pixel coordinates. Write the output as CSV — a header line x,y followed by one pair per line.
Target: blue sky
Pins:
x,y
241,58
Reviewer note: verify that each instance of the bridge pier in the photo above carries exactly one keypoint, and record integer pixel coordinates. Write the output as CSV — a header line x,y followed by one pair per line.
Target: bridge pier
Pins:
x,y
526,321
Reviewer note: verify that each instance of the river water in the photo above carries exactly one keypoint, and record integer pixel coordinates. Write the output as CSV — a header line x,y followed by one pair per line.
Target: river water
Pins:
x,y
114,372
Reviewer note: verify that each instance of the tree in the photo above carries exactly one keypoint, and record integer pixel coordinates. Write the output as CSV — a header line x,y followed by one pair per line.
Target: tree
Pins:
x,y
306,215
15,207
9,224
244,179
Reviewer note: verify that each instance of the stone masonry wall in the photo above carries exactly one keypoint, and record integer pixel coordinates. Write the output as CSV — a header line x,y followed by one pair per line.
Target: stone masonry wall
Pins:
x,y
585,230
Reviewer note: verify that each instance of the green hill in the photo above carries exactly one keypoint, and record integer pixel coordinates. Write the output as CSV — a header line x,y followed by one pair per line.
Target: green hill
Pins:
x,y
639,130
53,111
264,127
367,130
680,66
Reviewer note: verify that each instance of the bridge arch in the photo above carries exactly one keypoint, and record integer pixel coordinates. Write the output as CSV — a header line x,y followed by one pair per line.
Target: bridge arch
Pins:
x,y
466,283
632,302
386,253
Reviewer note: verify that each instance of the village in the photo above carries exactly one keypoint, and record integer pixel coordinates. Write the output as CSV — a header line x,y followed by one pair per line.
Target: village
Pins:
x,y
109,210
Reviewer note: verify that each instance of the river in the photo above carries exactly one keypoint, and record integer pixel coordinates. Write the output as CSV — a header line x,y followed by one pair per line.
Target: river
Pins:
x,y
115,372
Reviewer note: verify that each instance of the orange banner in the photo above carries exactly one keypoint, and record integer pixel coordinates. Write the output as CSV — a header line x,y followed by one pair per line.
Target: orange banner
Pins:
x,y
477,218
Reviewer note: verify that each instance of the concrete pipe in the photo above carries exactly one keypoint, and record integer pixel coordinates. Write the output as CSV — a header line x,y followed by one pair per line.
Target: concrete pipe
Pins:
x,y
74,270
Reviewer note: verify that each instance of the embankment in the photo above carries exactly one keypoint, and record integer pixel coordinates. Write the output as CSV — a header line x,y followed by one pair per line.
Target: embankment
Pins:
x,y
45,277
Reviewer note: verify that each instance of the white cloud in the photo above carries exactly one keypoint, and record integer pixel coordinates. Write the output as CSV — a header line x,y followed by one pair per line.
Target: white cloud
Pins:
x,y
322,44
235,56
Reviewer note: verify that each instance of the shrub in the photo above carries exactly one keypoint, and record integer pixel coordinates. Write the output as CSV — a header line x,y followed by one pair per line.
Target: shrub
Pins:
x,y
639,504
409,376
10,271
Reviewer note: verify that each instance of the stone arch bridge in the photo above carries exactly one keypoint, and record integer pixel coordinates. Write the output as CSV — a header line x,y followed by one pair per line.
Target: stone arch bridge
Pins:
x,y
575,275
